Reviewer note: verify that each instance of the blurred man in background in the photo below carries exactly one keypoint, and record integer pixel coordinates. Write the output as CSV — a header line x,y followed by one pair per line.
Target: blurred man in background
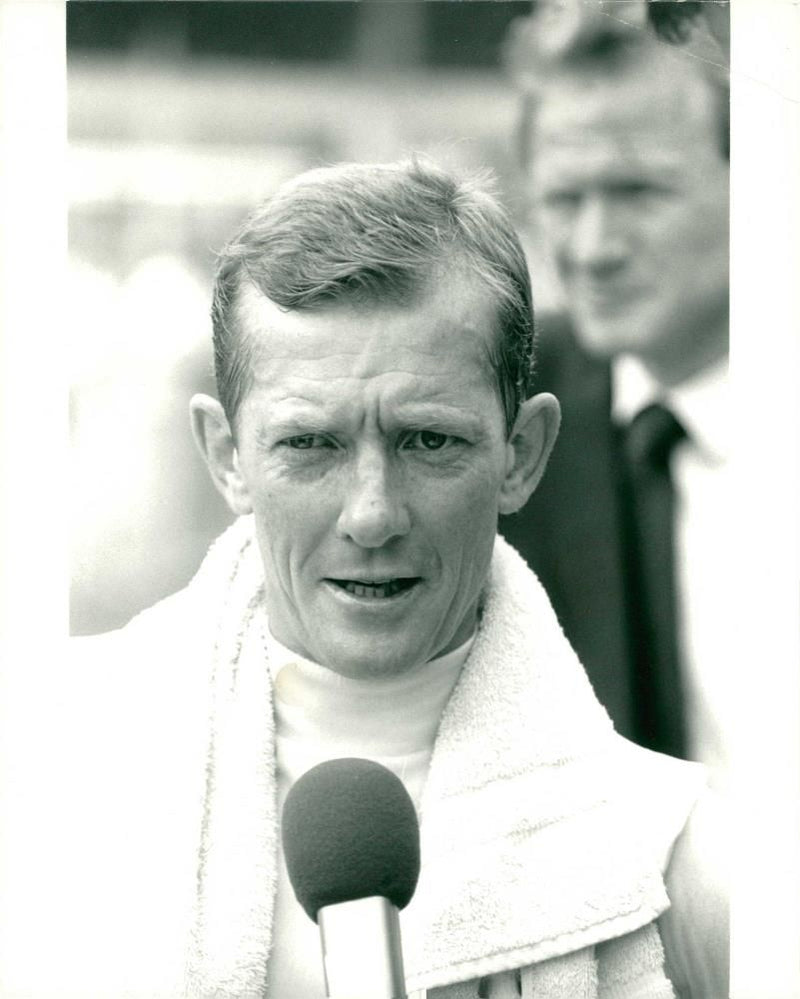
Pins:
x,y
625,143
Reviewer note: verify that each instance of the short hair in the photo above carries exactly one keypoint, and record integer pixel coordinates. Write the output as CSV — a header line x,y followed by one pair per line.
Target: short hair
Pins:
x,y
673,21
611,49
371,234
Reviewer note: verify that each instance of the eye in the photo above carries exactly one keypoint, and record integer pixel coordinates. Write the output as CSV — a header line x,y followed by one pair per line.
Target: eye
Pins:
x,y
630,190
426,440
562,200
304,442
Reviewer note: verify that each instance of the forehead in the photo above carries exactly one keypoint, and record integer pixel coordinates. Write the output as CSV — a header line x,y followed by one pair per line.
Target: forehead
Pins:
x,y
439,342
661,118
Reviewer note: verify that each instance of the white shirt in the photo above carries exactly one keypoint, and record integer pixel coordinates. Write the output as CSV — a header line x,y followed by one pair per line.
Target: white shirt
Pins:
x,y
319,716
705,547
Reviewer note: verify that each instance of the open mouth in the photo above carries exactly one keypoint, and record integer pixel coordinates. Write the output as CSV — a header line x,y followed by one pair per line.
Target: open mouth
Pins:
x,y
376,589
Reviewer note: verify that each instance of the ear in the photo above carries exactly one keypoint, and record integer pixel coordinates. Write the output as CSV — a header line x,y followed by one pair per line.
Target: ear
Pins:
x,y
529,446
213,436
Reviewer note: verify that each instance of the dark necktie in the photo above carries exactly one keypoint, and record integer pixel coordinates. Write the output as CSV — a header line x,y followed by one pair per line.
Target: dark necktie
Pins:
x,y
657,685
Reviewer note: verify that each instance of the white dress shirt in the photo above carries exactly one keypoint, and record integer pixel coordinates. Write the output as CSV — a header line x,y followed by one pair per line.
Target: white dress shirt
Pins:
x,y
705,547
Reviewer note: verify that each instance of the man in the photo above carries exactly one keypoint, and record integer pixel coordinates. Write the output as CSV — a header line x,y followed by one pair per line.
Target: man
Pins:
x,y
627,147
373,337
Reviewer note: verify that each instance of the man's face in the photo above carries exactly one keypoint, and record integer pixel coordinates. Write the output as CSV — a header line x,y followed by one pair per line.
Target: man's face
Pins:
x,y
632,193
373,451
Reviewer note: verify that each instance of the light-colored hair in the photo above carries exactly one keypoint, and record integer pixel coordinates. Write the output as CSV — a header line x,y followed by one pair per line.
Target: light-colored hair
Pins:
x,y
610,50
372,235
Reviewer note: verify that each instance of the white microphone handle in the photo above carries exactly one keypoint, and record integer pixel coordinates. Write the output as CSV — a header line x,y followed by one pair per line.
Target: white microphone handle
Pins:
x,y
361,952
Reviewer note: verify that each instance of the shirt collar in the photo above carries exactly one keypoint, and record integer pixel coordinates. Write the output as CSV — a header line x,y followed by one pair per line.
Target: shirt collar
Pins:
x,y
700,403
379,717
280,656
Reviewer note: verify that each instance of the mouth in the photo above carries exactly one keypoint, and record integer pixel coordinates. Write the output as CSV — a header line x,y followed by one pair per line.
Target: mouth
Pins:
x,y
608,298
376,589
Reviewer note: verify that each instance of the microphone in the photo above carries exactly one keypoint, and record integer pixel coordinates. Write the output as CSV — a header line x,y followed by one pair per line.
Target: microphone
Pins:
x,y
351,842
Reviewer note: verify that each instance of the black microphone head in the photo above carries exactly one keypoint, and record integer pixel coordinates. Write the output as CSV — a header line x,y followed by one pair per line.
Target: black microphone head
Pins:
x,y
350,831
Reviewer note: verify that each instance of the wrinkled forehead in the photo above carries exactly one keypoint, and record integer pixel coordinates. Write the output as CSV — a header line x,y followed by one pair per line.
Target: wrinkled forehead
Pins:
x,y
453,316
653,119
453,304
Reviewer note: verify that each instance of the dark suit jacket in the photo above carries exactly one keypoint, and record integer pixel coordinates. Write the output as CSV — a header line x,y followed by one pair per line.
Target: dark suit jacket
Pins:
x,y
570,531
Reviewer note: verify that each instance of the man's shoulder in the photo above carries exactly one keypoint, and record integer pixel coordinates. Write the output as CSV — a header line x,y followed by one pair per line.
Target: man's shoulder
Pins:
x,y
176,636
139,693
695,929
661,790
161,645
564,367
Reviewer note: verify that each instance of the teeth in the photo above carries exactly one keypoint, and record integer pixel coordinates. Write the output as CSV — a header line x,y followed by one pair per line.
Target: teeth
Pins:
x,y
374,591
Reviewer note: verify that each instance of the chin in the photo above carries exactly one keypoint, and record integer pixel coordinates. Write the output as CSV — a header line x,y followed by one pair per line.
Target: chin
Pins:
x,y
636,330
607,339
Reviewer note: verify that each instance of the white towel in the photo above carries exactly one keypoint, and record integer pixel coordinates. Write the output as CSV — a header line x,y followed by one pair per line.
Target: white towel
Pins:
x,y
542,832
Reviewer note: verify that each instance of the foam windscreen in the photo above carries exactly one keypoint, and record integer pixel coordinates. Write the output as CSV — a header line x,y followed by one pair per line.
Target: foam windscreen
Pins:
x,y
350,831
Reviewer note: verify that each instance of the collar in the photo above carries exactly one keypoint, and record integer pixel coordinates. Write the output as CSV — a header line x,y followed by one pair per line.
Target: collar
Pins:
x,y
700,402
383,716
280,656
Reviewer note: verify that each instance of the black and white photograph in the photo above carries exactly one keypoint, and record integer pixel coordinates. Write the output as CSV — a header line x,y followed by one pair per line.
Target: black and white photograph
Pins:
x,y
401,559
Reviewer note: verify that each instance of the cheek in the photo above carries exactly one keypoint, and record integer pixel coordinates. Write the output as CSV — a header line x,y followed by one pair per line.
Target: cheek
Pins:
x,y
449,514
291,522
558,243
463,517
693,232
691,265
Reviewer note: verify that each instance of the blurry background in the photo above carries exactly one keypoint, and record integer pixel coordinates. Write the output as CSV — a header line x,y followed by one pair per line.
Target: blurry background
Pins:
x,y
181,116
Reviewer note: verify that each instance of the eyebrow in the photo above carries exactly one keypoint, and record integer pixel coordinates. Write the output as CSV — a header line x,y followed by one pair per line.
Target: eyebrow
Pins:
x,y
287,426
664,167
417,415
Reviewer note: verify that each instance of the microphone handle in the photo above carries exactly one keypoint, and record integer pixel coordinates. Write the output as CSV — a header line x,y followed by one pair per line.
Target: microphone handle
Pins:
x,y
361,953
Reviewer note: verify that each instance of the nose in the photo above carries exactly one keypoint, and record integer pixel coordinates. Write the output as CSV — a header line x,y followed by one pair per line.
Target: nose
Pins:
x,y
597,241
374,509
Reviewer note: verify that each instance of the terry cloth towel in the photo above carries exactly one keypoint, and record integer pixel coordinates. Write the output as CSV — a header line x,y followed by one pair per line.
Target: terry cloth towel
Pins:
x,y
543,833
